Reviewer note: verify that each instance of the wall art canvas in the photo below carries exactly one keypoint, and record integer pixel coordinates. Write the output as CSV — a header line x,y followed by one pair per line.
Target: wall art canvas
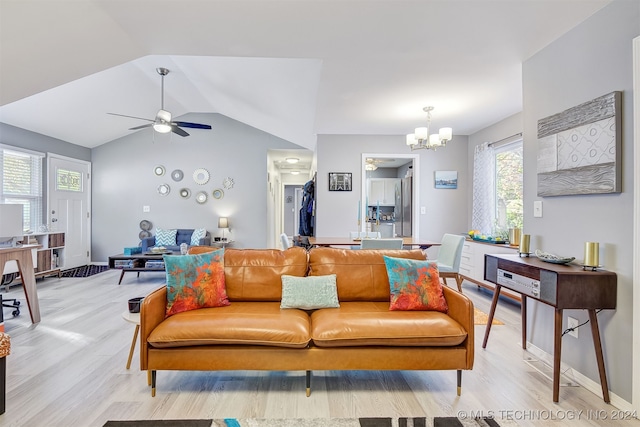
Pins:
x,y
446,179
579,149
339,181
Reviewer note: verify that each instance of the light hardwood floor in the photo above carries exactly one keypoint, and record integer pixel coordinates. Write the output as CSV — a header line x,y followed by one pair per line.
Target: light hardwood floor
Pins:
x,y
69,370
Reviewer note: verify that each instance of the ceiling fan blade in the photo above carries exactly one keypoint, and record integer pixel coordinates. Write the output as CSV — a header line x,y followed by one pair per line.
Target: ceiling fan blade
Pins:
x,y
131,117
141,126
192,125
177,130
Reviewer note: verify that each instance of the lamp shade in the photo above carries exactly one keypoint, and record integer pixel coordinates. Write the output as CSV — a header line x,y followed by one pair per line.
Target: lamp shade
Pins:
x,y
162,127
446,134
422,133
411,139
223,222
434,140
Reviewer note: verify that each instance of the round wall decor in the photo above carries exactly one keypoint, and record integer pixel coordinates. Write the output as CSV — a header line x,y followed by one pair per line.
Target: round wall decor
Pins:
x,y
164,189
177,175
218,193
185,193
145,225
158,170
201,176
227,182
201,197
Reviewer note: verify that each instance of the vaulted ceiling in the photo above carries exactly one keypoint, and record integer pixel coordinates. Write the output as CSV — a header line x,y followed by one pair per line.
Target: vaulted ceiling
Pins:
x,y
294,69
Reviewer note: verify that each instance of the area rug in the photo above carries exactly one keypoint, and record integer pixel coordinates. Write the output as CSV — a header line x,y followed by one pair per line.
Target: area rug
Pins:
x,y
481,318
85,271
314,422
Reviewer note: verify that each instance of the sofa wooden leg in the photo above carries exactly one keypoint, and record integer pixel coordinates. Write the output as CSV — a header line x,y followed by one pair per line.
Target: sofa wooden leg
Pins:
x,y
308,383
459,390
153,383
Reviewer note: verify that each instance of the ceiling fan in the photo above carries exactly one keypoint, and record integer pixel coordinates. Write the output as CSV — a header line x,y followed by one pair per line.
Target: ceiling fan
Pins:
x,y
163,123
372,164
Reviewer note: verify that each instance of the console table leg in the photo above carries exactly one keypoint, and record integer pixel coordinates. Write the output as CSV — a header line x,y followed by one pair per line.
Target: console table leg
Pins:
x,y
557,350
523,314
597,344
492,311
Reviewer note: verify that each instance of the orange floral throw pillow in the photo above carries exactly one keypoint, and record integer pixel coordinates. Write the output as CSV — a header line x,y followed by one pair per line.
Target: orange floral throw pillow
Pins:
x,y
195,281
414,285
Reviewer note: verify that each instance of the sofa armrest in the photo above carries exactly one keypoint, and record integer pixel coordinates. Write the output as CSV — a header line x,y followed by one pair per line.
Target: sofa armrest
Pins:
x,y
461,310
148,242
152,313
206,240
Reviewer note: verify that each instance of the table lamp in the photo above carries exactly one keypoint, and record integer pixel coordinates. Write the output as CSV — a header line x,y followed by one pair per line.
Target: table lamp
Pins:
x,y
223,222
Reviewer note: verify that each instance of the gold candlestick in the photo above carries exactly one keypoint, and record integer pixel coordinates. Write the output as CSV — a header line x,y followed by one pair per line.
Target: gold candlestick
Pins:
x,y
525,241
591,254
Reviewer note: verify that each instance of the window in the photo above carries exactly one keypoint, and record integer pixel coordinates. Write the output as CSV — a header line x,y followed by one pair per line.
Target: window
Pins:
x,y
497,187
508,186
21,172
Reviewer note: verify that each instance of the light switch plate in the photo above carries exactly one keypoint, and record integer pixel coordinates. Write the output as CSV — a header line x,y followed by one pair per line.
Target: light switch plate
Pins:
x,y
146,209
423,210
537,209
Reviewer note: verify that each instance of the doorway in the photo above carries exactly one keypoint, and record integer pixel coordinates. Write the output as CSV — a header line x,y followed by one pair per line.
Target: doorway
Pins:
x,y
69,206
389,160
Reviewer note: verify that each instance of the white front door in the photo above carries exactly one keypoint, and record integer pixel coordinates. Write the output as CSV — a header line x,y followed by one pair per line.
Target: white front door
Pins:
x,y
69,206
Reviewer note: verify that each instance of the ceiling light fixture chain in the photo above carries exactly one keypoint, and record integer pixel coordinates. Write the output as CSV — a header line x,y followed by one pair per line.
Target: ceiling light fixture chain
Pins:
x,y
422,139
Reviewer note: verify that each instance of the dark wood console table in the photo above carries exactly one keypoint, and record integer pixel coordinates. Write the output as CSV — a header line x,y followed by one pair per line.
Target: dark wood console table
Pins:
x,y
560,286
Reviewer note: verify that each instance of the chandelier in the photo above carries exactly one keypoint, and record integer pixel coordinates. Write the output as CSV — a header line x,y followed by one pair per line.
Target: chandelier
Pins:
x,y
421,139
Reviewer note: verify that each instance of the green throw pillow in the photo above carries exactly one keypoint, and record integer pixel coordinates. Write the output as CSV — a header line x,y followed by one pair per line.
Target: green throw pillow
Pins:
x,y
195,281
310,292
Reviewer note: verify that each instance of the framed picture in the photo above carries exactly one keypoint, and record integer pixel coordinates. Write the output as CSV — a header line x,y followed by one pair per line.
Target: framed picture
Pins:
x,y
339,181
446,179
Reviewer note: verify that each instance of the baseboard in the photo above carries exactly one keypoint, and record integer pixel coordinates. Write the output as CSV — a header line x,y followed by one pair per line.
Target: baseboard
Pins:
x,y
581,379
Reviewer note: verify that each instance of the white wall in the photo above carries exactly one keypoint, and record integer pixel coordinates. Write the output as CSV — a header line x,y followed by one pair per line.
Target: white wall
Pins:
x,y
337,211
593,59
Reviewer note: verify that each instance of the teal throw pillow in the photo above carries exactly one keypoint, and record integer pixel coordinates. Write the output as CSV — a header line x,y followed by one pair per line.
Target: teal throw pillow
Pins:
x,y
414,285
165,237
309,292
195,281
198,234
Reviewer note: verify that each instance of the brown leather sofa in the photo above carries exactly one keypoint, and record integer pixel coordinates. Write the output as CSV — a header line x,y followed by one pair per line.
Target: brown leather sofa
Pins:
x,y
253,333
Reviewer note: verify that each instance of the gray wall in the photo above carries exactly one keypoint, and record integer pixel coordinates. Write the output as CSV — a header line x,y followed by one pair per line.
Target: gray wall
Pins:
x,y
337,211
593,59
124,182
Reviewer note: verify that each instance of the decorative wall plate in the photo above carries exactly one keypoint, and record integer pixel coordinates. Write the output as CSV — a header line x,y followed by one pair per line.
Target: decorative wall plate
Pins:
x,y
158,170
164,189
227,182
201,197
177,175
144,234
185,193
218,193
201,176
145,225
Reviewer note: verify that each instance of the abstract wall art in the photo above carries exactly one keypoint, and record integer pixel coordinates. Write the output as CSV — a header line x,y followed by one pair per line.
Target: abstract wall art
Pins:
x,y
579,149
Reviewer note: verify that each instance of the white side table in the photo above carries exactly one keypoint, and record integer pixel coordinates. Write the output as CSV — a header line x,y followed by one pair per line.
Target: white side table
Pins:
x,y
135,319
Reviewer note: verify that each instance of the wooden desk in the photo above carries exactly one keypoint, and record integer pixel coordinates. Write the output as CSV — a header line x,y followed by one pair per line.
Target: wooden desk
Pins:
x,y
560,286
346,241
22,256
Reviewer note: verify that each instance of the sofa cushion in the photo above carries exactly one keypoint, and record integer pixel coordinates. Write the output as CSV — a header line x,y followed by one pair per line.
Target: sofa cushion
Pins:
x,y
255,274
309,293
414,285
241,323
198,234
195,281
165,237
360,275
372,324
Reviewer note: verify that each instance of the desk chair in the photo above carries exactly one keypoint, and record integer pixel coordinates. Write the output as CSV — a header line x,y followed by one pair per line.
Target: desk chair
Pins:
x,y
449,258
381,244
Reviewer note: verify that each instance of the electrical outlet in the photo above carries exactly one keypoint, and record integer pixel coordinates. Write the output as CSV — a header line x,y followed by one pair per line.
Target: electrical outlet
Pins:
x,y
146,209
572,323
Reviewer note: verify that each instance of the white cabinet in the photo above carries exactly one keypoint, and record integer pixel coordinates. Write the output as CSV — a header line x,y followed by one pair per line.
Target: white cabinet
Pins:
x,y
382,190
472,263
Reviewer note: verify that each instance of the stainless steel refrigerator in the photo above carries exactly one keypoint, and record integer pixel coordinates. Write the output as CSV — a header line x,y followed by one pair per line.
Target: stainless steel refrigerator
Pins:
x,y
403,209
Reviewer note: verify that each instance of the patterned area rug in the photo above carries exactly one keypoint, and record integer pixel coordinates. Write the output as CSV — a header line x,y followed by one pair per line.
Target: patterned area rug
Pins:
x,y
481,318
85,271
313,422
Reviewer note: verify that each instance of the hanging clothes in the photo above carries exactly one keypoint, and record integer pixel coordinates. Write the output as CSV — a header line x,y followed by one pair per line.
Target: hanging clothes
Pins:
x,y
306,211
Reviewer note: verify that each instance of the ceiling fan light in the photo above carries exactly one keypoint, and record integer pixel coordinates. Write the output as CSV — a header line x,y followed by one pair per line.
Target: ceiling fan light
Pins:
x,y
163,115
370,167
162,127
